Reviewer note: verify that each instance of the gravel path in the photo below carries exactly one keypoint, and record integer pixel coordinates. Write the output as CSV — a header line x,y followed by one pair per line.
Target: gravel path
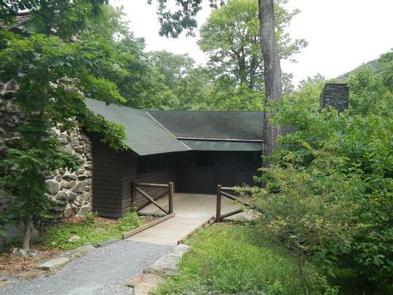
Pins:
x,y
103,271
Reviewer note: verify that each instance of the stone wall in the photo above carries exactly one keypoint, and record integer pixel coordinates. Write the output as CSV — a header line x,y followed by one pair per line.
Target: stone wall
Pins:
x,y
336,96
10,117
70,191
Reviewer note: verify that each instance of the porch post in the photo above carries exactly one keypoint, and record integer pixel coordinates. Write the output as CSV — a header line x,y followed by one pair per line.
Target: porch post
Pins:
x,y
171,193
218,204
133,194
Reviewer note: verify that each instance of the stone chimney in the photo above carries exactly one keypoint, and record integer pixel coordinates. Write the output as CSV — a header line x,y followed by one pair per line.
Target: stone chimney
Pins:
x,y
335,95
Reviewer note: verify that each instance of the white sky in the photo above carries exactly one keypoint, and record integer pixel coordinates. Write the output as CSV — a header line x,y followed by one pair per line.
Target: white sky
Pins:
x,y
342,34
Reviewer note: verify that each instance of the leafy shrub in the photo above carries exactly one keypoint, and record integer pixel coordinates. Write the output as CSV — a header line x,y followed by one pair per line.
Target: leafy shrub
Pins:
x,y
329,190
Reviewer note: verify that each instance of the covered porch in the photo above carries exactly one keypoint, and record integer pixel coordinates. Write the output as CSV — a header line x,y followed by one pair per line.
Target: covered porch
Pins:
x,y
191,211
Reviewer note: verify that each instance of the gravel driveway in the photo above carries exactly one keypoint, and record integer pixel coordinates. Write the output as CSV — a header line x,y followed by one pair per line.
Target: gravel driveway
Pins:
x,y
103,271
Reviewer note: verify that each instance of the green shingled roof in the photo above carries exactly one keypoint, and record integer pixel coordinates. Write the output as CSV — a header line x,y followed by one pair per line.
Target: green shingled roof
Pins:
x,y
144,135
156,132
227,146
212,125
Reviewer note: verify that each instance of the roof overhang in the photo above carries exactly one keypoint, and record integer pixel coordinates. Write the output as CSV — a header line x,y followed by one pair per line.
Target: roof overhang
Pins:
x,y
225,146
143,135
146,135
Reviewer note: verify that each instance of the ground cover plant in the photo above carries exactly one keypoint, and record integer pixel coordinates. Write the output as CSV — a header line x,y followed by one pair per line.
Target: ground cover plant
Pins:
x,y
92,230
236,259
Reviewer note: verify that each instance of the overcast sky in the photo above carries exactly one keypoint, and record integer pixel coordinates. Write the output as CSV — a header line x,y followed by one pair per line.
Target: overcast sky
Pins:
x,y
342,34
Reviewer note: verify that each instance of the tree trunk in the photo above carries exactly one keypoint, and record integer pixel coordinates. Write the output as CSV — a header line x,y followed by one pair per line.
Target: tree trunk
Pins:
x,y
272,73
27,235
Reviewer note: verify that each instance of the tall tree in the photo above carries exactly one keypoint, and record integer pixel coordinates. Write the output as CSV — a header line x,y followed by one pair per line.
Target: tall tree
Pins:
x,y
173,66
174,22
231,38
272,72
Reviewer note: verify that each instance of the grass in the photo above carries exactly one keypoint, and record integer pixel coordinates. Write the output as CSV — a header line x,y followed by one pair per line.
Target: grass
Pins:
x,y
229,259
92,230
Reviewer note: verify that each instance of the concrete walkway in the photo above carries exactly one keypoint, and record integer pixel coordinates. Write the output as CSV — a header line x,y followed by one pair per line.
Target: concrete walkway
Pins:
x,y
191,211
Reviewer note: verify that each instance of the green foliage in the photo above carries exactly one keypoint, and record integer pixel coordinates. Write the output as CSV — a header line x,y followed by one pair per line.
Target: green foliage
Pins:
x,y
232,80
91,231
196,88
55,67
233,259
371,89
173,66
63,16
226,96
232,40
329,190
183,18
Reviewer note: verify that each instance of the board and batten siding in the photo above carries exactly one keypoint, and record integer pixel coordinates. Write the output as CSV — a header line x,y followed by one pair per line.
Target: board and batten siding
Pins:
x,y
113,174
162,176
192,172
202,171
107,180
128,164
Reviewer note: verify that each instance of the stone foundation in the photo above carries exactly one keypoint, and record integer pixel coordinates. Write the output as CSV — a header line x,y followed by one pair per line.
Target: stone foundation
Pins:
x,y
70,191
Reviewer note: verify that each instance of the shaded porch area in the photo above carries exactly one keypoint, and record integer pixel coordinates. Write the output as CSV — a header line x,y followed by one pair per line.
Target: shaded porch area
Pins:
x,y
191,212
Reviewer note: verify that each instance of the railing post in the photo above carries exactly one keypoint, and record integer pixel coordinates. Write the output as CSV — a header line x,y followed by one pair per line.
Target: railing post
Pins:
x,y
133,194
218,204
171,187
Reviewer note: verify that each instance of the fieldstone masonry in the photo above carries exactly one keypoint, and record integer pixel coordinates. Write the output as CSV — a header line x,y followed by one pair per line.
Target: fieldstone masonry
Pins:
x,y
10,117
71,192
335,95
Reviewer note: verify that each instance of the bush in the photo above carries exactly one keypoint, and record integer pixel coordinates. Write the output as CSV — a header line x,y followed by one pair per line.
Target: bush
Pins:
x,y
329,190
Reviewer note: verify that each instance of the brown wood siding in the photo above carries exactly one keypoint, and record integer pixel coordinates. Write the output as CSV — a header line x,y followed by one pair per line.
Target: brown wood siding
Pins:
x,y
161,176
107,180
113,173
129,165
228,169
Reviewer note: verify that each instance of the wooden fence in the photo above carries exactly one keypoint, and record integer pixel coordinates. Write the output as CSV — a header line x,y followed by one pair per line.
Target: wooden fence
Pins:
x,y
139,187
228,192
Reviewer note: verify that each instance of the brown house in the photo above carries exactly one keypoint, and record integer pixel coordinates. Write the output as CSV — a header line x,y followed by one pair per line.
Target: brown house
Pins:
x,y
195,149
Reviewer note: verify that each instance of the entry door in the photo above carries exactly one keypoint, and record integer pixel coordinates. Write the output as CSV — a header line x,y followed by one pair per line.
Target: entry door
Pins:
x,y
205,172
225,167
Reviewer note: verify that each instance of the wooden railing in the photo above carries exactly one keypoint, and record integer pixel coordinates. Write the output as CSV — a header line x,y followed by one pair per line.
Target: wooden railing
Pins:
x,y
170,190
223,191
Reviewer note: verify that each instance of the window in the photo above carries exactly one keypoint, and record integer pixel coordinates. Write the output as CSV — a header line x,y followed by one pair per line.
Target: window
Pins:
x,y
152,163
204,159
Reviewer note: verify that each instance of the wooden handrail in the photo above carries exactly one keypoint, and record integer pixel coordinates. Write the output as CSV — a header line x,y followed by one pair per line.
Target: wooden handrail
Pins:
x,y
232,197
218,204
227,188
136,187
237,211
171,191
152,184
221,192
151,199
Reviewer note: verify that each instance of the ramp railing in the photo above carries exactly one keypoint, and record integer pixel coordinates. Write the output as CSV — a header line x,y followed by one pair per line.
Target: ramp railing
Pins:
x,y
228,192
140,188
